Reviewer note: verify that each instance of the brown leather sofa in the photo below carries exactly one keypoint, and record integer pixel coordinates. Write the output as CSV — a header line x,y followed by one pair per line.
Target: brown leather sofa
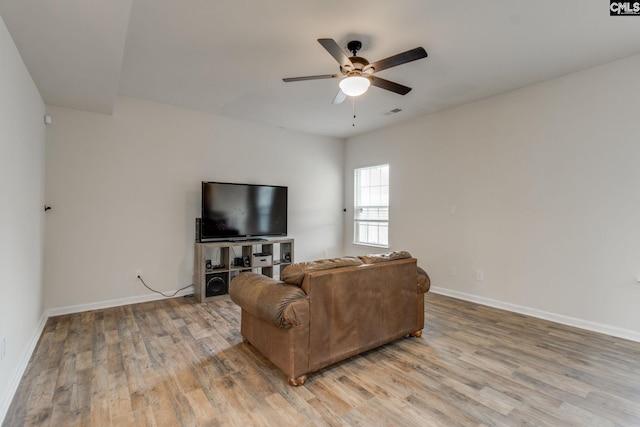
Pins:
x,y
328,310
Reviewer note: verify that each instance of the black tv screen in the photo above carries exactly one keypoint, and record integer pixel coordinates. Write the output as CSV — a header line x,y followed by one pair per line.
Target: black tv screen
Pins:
x,y
242,211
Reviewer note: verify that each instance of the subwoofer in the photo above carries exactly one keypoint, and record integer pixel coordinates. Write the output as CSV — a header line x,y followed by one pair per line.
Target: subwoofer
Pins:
x,y
216,284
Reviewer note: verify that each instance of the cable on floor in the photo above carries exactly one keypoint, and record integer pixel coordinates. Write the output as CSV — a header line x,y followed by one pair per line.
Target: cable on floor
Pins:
x,y
158,292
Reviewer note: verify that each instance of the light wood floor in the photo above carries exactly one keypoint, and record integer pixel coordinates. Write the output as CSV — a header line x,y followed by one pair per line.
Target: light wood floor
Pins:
x,y
178,363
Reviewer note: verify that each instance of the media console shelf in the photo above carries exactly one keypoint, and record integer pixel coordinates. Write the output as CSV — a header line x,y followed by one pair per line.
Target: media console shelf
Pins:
x,y
216,263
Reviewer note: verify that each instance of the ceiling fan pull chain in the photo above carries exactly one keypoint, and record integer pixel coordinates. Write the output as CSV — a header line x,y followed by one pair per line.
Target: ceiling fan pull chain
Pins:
x,y
354,111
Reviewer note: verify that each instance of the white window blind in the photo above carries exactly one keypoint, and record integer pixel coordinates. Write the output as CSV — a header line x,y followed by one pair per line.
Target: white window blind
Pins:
x,y
371,213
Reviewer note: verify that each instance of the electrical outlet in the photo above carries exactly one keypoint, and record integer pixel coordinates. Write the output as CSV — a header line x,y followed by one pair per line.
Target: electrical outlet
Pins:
x,y
138,273
3,348
452,271
479,276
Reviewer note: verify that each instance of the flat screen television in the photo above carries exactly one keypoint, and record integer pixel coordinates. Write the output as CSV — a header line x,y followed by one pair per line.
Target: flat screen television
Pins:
x,y
242,211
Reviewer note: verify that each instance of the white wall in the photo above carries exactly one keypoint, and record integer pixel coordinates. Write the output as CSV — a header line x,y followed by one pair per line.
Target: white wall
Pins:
x,y
125,191
22,141
544,181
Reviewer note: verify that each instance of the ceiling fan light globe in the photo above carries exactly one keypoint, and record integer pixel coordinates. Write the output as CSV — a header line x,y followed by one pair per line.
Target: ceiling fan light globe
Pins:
x,y
354,86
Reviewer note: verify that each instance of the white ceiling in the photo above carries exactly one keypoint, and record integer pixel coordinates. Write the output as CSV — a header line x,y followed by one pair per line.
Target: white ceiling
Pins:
x,y
228,57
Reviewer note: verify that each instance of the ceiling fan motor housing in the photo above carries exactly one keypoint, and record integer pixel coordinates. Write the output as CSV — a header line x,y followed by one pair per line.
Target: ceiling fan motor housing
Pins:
x,y
358,62
358,68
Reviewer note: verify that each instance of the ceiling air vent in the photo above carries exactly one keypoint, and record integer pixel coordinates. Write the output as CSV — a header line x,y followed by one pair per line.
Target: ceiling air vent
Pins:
x,y
394,111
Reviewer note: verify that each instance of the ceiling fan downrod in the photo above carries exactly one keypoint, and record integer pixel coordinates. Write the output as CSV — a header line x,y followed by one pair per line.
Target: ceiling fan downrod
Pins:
x,y
354,46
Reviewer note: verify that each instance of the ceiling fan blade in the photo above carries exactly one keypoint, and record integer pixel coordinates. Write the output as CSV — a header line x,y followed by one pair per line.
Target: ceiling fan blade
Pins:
x,y
340,97
399,59
321,76
338,54
389,85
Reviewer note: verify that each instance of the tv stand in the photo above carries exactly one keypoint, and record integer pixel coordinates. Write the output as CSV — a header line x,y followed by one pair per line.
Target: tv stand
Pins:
x,y
227,259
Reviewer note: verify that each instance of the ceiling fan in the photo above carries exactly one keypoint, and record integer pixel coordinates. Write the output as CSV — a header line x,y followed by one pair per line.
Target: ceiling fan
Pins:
x,y
357,73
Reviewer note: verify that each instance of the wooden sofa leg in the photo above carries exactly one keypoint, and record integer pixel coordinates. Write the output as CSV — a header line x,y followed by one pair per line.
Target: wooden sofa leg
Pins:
x,y
416,334
297,381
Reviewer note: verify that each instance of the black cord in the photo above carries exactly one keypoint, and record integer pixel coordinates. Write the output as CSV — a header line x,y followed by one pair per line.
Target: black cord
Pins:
x,y
158,292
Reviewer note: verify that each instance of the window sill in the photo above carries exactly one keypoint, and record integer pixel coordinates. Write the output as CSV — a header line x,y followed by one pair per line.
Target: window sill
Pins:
x,y
370,245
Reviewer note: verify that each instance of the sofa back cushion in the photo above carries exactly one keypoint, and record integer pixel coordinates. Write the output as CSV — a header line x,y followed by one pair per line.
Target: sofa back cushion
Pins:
x,y
388,256
294,274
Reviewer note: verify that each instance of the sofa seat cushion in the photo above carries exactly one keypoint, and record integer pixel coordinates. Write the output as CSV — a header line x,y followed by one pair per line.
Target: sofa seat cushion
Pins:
x,y
294,274
270,300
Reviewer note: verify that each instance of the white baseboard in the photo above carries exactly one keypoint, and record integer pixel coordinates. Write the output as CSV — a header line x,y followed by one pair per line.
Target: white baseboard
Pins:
x,y
553,317
14,381
113,303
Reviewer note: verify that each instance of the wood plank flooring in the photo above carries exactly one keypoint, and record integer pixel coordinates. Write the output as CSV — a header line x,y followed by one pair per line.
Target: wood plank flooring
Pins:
x,y
178,363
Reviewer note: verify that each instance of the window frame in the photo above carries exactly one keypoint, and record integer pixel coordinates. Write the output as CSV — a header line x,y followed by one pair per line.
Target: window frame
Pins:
x,y
375,210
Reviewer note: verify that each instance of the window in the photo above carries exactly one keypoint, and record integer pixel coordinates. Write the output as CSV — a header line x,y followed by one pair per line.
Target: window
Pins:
x,y
371,213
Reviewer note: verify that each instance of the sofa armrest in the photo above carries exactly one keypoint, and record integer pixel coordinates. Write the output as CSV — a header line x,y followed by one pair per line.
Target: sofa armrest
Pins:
x,y
424,283
270,300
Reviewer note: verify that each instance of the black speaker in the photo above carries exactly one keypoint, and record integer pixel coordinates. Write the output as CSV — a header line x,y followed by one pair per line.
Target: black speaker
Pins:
x,y
247,261
287,257
208,266
216,284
